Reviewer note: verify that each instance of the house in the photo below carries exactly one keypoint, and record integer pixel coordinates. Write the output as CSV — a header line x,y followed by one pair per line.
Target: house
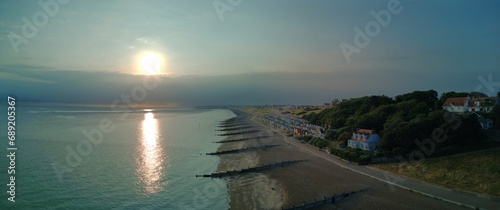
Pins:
x,y
482,104
364,139
457,105
467,104
473,105
486,123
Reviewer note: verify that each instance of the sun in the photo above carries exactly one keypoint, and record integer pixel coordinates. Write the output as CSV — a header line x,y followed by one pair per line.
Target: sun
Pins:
x,y
150,63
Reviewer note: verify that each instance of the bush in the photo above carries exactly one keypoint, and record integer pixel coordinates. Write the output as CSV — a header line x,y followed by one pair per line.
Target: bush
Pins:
x,y
301,113
365,159
318,142
330,134
358,156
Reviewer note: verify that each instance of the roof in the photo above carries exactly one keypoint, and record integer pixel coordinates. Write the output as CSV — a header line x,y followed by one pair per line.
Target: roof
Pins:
x,y
365,131
490,101
456,101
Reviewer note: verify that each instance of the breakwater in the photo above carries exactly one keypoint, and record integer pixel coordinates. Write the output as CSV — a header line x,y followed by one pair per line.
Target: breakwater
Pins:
x,y
240,150
241,139
238,133
325,201
225,125
235,128
251,169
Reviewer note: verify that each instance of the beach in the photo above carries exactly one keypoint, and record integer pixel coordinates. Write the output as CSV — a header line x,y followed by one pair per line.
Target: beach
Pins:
x,y
304,181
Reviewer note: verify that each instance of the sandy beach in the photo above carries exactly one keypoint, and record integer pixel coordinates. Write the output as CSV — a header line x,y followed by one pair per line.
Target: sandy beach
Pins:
x,y
302,182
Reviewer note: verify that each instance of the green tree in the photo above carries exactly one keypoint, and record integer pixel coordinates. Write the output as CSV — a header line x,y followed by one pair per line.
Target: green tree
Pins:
x,y
330,134
495,115
428,97
376,118
478,94
343,137
468,131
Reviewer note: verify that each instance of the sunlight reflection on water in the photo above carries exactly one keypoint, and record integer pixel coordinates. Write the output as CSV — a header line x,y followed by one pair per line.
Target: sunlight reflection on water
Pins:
x,y
151,157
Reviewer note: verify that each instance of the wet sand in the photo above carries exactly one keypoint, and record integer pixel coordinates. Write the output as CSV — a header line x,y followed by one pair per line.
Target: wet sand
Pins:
x,y
302,182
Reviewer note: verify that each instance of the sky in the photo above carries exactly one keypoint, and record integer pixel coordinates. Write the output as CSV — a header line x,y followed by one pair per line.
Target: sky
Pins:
x,y
246,52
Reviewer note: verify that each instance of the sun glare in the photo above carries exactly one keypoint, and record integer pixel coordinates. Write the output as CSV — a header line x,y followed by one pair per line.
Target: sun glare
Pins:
x,y
150,63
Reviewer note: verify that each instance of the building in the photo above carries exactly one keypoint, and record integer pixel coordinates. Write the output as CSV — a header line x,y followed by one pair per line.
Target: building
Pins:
x,y
473,105
457,105
364,139
482,104
486,123
467,104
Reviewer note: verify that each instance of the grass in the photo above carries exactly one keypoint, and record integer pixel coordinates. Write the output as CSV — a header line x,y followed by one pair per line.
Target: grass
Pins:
x,y
477,172
260,111
299,112
296,112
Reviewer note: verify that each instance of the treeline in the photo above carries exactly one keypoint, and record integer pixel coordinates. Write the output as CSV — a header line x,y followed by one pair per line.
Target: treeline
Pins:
x,y
315,141
402,120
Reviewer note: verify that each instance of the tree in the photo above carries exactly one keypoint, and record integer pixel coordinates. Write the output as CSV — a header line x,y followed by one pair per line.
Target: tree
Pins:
x,y
343,137
376,118
495,113
452,94
428,97
469,130
330,134
478,94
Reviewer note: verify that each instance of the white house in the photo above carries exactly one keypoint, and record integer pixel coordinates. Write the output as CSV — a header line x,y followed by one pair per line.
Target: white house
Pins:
x,y
466,104
473,105
458,105
364,139
482,104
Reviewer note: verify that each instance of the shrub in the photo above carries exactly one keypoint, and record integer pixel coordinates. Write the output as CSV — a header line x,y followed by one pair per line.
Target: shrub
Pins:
x,y
365,159
358,156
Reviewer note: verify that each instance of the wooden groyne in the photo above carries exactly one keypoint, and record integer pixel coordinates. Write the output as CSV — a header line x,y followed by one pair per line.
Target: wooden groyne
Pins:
x,y
242,139
248,170
233,119
235,128
241,150
238,133
232,124
325,201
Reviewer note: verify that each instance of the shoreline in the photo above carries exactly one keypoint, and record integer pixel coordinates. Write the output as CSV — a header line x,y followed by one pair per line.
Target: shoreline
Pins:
x,y
253,190
304,181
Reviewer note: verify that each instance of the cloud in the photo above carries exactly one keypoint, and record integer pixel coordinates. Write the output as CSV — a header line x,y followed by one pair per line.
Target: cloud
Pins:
x,y
17,78
39,84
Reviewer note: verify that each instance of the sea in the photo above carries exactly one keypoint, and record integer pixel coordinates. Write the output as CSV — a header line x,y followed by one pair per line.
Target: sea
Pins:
x,y
97,158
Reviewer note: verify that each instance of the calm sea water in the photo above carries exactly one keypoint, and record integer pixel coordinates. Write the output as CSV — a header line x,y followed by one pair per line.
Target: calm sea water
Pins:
x,y
148,161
